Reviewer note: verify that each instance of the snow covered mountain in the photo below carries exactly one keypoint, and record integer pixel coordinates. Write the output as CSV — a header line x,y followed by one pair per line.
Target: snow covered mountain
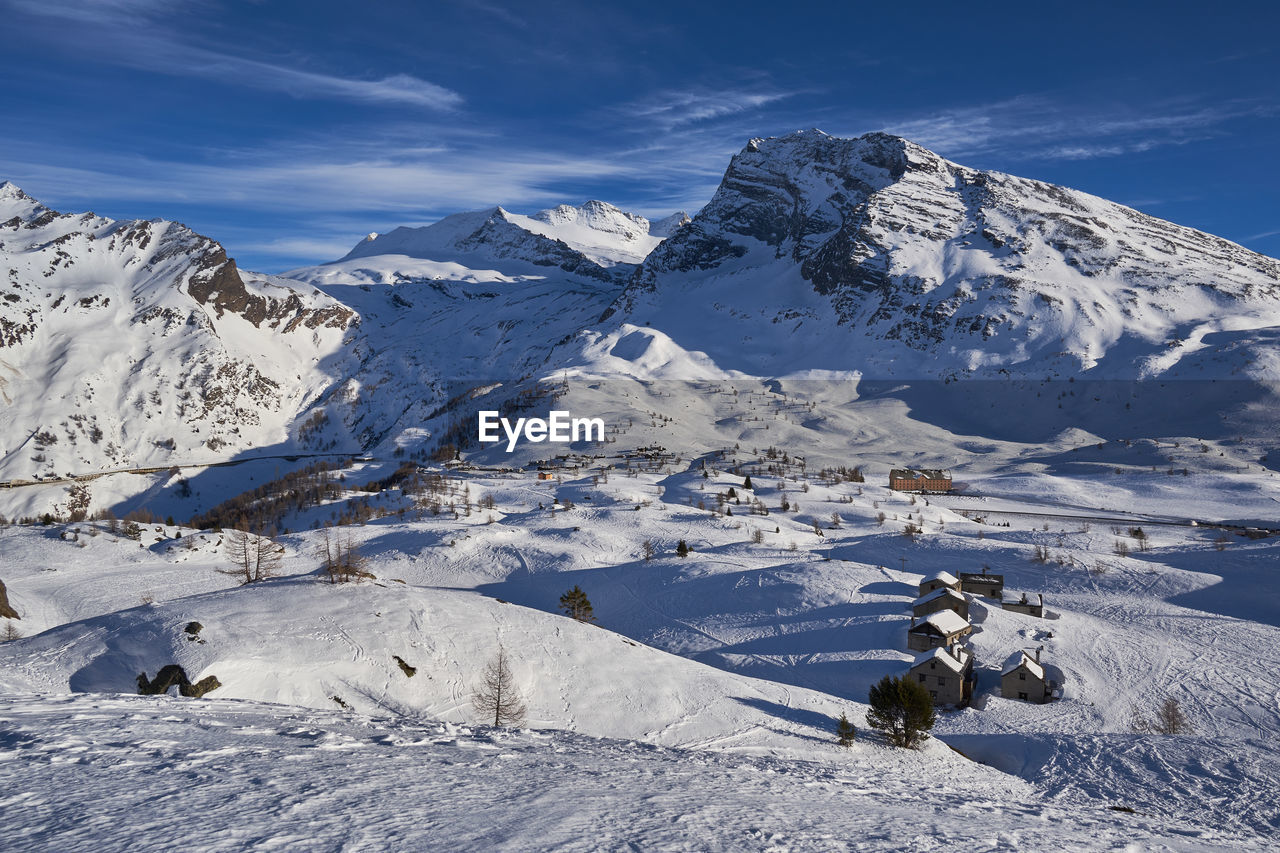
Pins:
x,y
876,255
818,257
573,239
139,343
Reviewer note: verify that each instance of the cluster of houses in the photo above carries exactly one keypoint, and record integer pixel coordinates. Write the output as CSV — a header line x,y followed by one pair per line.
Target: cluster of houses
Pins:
x,y
939,625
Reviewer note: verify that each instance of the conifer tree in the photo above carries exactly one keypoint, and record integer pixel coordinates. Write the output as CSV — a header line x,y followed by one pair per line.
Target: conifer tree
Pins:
x,y
682,549
845,731
746,484
902,709
575,605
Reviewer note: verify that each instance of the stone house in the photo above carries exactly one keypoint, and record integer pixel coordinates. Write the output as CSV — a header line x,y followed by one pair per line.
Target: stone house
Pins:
x,y
946,673
944,628
1023,678
1026,605
983,583
939,580
940,599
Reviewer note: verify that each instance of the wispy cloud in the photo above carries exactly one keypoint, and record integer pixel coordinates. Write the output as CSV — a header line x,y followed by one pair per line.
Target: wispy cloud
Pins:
x,y
671,109
1033,127
134,34
296,178
394,89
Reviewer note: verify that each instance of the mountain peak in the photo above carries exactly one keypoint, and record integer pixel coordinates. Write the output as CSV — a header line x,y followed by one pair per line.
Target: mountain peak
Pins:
x,y
935,260
668,225
596,215
10,190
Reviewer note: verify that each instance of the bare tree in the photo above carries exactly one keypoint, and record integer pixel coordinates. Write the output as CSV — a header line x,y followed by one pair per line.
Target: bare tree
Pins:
x,y
340,558
253,558
10,632
496,697
1138,722
1170,720
647,549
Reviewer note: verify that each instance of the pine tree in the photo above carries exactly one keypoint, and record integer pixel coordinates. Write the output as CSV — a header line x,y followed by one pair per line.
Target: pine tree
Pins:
x,y
845,731
902,709
682,549
746,484
575,605
496,698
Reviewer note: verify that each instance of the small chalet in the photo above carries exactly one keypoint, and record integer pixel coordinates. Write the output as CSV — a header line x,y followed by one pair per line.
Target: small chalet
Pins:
x,y
940,599
1026,605
1023,678
939,580
944,628
919,480
946,673
983,583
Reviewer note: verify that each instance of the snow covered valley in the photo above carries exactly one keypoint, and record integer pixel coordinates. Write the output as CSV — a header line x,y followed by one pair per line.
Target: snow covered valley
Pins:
x,y
702,704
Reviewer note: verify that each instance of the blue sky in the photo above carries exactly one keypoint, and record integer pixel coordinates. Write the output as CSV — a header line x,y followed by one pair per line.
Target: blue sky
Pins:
x,y
287,130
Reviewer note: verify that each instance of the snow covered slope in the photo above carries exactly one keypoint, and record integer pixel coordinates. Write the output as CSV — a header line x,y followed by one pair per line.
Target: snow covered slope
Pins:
x,y
269,777
126,344
303,642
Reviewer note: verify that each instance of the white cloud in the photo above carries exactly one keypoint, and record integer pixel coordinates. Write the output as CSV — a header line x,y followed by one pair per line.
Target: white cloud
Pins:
x,y
397,88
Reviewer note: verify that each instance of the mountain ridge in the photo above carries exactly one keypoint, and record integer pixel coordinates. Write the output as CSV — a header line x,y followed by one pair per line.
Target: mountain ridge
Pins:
x,y
868,258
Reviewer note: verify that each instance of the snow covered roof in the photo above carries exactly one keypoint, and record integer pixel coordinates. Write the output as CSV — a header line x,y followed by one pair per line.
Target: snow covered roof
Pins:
x,y
937,593
943,657
945,621
917,473
944,577
982,576
1021,658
